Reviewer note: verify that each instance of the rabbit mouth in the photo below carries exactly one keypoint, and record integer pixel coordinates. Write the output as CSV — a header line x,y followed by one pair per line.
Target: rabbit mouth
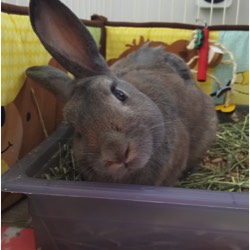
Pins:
x,y
123,169
118,170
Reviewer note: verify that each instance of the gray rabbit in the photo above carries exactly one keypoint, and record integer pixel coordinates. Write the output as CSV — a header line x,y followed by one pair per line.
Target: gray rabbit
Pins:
x,y
143,121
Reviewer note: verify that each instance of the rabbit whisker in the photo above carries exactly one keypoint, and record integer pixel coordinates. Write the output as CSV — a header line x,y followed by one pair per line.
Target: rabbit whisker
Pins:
x,y
163,123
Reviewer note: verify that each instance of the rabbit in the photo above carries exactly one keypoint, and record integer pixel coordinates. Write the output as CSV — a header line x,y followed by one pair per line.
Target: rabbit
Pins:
x,y
141,121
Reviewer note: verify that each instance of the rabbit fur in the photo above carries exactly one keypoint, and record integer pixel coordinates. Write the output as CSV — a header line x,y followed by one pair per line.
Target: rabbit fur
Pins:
x,y
141,121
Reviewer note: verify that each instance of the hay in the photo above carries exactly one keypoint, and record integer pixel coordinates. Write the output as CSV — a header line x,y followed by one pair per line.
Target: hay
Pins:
x,y
65,169
224,167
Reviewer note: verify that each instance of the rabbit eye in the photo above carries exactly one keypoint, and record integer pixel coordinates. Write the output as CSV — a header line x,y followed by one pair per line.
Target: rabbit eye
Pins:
x,y
119,94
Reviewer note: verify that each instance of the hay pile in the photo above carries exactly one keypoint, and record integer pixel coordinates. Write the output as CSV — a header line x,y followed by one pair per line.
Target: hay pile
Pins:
x,y
66,168
224,167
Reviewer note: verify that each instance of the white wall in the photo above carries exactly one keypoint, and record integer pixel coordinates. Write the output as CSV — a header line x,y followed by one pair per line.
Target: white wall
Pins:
x,y
155,10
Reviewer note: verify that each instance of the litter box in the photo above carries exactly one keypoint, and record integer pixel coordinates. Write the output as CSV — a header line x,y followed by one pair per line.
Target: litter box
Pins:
x,y
79,215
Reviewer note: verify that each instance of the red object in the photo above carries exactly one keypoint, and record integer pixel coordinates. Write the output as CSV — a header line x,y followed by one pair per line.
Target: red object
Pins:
x,y
14,238
203,57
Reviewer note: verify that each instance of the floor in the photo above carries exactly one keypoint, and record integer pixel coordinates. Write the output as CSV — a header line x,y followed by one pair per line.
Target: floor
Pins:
x,y
16,228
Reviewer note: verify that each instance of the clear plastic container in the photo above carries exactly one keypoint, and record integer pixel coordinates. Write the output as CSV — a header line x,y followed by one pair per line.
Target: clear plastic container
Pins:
x,y
88,215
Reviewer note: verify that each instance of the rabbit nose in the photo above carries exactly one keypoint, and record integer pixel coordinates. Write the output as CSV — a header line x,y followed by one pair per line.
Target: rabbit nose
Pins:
x,y
122,155
118,156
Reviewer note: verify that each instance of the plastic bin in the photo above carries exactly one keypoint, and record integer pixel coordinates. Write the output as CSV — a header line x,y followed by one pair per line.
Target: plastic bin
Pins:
x,y
87,215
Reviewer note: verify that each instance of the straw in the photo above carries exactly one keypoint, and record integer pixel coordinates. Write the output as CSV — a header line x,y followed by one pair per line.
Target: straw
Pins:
x,y
225,166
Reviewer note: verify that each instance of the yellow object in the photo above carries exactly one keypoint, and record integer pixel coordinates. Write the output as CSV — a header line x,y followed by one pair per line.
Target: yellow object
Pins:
x,y
241,89
224,109
4,167
119,37
20,49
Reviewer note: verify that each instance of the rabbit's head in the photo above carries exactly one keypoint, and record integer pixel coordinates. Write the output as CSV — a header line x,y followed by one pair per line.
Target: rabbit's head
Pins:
x,y
117,127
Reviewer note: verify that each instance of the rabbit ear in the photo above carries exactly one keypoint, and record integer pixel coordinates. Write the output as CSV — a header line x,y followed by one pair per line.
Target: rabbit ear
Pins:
x,y
52,79
66,38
